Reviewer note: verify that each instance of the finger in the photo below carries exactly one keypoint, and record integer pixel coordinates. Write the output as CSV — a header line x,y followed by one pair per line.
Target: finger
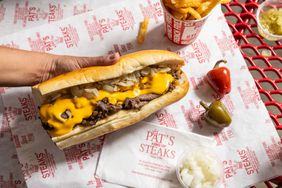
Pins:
x,y
98,61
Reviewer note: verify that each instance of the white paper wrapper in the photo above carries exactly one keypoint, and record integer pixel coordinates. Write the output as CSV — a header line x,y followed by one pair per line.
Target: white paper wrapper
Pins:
x,y
10,171
250,147
146,153
18,15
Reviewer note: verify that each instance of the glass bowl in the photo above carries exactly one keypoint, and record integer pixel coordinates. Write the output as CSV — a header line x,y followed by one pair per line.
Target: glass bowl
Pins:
x,y
265,6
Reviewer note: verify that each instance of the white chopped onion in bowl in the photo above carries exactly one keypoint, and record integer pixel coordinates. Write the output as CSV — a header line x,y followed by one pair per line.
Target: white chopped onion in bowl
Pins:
x,y
199,169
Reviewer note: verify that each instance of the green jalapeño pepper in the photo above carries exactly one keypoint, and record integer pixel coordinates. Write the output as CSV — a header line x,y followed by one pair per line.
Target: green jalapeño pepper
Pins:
x,y
217,114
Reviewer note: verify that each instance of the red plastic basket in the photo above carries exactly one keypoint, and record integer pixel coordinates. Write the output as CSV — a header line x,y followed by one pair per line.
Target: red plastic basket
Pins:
x,y
266,70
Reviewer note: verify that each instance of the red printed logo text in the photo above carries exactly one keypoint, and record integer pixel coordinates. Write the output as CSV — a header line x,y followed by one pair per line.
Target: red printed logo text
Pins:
x,y
46,163
158,145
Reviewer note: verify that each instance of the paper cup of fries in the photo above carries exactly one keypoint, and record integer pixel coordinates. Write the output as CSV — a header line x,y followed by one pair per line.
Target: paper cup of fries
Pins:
x,y
184,19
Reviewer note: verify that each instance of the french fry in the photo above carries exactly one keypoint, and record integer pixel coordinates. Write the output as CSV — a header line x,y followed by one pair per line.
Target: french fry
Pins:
x,y
173,2
142,31
183,3
211,6
183,10
191,9
180,10
188,4
169,5
185,17
194,13
204,7
178,15
225,1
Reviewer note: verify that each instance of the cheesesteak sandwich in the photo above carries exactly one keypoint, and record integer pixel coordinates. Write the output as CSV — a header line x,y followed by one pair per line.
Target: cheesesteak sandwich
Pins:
x,y
87,103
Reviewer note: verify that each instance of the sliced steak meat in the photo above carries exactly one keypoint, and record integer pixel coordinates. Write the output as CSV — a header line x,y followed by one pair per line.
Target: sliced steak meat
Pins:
x,y
176,73
141,104
133,103
102,110
102,106
138,102
46,126
66,114
130,103
148,97
107,108
171,87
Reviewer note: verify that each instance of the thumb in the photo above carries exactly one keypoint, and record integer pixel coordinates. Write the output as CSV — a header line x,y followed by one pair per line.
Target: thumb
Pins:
x,y
98,61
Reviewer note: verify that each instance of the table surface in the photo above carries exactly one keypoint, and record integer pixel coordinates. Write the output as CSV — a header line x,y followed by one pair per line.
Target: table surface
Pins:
x,y
266,70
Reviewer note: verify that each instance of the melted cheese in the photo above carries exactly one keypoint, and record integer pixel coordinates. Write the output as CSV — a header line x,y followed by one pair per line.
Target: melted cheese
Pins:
x,y
81,107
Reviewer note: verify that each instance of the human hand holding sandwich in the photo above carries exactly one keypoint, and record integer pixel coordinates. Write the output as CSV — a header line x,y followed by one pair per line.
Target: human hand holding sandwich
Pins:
x,y
25,68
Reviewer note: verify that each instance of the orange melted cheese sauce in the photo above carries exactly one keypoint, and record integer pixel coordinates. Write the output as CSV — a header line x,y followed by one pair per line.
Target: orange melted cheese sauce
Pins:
x,y
81,107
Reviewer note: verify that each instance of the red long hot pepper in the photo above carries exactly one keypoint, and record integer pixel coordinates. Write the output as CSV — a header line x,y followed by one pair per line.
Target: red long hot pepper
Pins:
x,y
219,79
